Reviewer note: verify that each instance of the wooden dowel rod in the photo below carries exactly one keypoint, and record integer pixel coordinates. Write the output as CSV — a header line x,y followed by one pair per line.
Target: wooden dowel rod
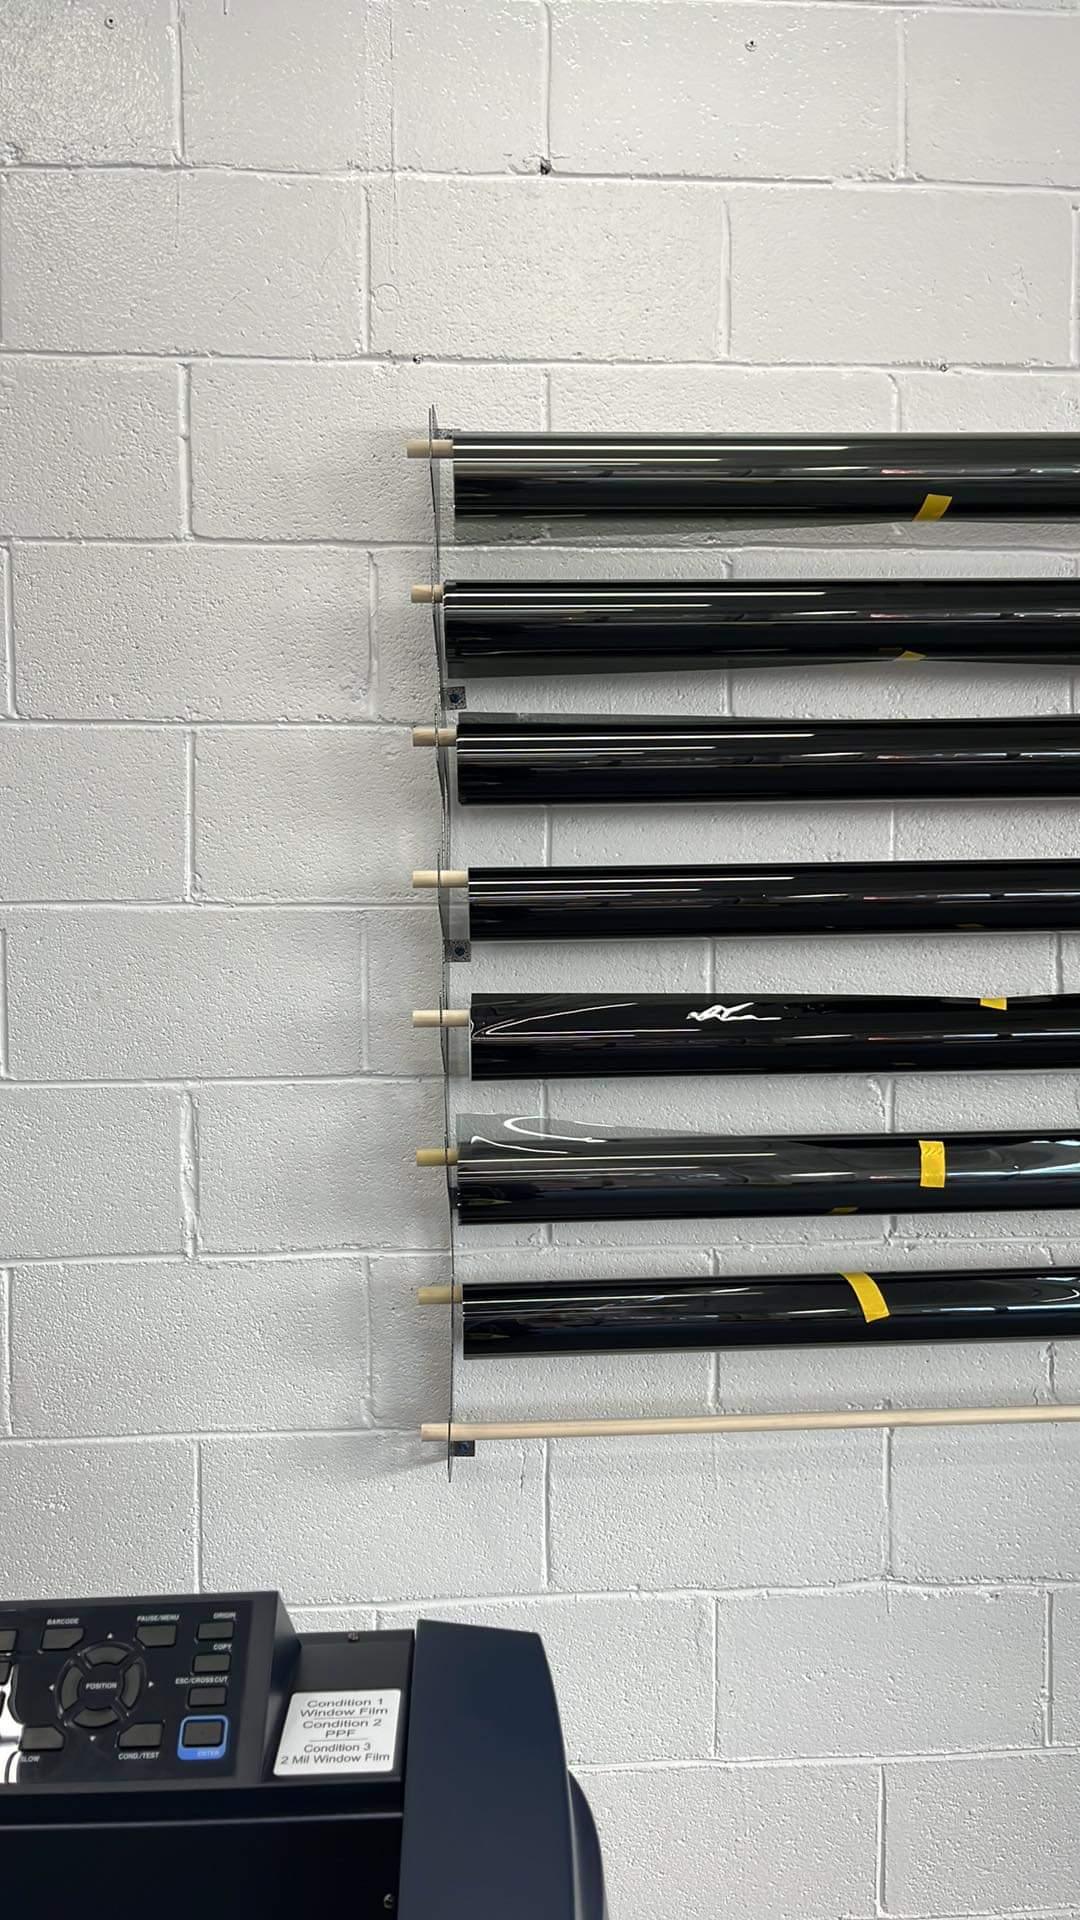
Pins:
x,y
436,1156
437,1296
446,877
440,1017
434,736
425,596
745,1423
424,449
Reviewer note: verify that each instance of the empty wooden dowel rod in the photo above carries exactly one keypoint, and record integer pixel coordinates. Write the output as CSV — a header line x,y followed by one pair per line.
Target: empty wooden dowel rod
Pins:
x,y
470,1430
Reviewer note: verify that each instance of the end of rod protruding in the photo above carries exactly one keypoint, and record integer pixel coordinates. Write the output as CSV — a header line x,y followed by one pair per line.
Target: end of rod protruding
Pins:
x,y
425,596
436,1156
423,448
438,1296
440,1017
440,876
434,736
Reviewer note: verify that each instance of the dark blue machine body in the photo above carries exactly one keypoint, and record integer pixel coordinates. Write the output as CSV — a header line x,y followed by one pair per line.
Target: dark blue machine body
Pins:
x,y
180,1755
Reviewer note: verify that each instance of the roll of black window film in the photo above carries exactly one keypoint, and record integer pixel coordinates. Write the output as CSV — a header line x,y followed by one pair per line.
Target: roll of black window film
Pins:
x,y
901,896
542,1036
883,476
643,626
525,1169
517,760
515,1318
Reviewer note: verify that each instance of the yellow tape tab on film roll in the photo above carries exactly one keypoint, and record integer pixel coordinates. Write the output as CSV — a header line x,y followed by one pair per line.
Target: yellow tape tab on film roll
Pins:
x,y
909,655
935,506
994,1003
931,1163
868,1294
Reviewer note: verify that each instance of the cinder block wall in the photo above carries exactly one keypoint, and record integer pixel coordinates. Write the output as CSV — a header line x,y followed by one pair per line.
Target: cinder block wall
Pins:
x,y
243,244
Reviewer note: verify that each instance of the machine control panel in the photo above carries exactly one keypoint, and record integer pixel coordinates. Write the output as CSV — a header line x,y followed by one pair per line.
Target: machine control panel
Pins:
x,y
111,1691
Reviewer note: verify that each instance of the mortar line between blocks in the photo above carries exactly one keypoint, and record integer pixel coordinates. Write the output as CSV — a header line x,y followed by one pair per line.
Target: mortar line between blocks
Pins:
x,y
880,1854
1048,1669
5,1017
545,1519
197,1540
727,247
1074,289
887,1501
187,485
715,1676
391,54
367,304
176,34
7,621
381,360
190,755
369,1367
901,97
546,59
374,587
868,183
6,1323
189,1174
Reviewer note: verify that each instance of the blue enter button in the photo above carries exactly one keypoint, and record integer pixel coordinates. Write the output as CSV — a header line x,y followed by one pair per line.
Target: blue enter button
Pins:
x,y
202,1739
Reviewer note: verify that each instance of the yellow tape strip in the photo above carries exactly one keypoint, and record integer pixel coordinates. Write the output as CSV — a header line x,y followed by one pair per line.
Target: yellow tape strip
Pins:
x,y
931,1163
935,506
907,654
868,1294
993,1003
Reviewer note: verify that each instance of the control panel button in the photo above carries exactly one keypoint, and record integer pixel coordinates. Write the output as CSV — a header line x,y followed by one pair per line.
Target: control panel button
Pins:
x,y
215,1630
202,1739
60,1639
211,1663
145,1736
5,1675
131,1685
41,1740
157,1634
69,1689
96,1690
94,1717
107,1655
8,1639
202,1733
207,1696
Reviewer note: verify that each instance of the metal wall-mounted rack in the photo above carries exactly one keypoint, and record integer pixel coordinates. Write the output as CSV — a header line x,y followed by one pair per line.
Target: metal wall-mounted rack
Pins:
x,y
533,1169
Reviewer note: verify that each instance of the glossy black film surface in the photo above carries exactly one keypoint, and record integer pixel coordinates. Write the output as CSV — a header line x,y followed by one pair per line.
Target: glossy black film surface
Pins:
x,y
969,896
789,1310
639,626
833,476
540,1036
523,1169
512,760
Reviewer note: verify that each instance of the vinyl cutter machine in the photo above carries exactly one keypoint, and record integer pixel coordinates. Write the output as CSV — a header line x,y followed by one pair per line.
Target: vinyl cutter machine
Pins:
x,y
180,1757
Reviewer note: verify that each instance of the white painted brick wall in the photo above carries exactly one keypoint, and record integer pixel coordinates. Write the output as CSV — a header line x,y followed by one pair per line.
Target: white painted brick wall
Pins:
x,y
242,249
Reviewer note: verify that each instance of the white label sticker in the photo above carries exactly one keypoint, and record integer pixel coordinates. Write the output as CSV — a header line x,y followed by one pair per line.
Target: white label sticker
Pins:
x,y
339,1733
